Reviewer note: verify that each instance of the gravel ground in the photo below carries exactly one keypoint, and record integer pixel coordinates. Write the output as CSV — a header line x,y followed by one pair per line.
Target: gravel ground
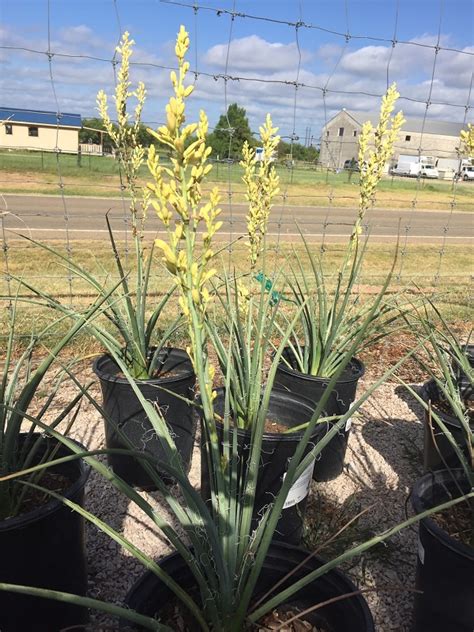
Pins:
x,y
383,460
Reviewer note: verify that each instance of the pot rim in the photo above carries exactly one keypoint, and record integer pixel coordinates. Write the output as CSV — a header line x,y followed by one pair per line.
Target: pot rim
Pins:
x,y
435,398
276,393
110,377
358,364
22,520
444,477
285,550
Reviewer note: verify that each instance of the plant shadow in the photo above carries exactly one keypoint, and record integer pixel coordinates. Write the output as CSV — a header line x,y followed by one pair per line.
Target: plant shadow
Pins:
x,y
383,460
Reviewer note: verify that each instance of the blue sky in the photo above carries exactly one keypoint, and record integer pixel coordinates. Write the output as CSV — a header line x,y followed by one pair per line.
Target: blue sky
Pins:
x,y
260,51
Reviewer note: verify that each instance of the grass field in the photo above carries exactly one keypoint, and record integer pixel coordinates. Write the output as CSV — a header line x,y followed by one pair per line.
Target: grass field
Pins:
x,y
40,172
36,173
42,270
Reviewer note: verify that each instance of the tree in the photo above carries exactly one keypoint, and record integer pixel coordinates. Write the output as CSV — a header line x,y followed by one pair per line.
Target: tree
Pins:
x,y
88,135
228,143
298,151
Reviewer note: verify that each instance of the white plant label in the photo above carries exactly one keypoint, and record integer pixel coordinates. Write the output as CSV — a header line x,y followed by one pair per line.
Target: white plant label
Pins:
x,y
300,487
348,424
421,552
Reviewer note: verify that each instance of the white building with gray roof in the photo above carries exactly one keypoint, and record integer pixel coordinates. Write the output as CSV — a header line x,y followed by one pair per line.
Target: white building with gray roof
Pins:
x,y
418,137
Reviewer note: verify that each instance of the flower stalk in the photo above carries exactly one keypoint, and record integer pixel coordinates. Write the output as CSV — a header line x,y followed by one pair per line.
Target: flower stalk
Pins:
x,y
190,223
375,149
262,185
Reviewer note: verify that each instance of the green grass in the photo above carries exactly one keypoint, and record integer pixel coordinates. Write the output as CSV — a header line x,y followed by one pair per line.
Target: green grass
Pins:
x,y
48,162
302,174
38,172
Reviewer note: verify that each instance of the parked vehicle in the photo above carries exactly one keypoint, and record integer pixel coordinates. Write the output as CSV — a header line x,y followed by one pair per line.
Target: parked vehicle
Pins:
x,y
351,165
428,171
414,170
410,169
467,174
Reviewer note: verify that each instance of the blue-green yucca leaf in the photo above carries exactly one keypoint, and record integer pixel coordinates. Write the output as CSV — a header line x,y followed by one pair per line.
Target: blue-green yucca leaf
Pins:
x,y
127,316
285,595
87,602
194,516
443,358
330,324
18,390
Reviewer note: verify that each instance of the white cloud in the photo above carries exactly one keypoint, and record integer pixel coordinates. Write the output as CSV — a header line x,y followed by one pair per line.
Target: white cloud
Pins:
x,y
80,35
359,73
255,54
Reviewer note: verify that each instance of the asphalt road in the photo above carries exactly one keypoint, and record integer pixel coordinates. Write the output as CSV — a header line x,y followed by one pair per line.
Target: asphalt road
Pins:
x,y
46,217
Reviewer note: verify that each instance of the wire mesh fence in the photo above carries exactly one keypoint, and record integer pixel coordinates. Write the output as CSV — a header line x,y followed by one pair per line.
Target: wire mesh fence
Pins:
x,y
432,218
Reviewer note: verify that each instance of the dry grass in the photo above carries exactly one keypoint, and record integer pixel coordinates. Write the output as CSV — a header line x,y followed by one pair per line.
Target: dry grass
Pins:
x,y
419,264
42,270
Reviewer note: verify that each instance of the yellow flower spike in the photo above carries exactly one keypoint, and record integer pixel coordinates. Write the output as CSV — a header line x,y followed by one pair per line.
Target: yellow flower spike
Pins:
x,y
178,194
261,183
373,160
182,43
467,141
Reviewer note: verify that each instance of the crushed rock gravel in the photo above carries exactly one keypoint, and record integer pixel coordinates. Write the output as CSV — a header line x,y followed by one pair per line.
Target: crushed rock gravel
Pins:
x,y
384,458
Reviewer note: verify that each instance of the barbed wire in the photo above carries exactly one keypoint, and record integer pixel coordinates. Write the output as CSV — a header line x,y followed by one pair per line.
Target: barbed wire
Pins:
x,y
301,24
237,78
285,212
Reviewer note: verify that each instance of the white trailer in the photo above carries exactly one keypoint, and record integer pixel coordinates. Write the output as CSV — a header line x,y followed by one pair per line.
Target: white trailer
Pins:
x,y
414,170
410,169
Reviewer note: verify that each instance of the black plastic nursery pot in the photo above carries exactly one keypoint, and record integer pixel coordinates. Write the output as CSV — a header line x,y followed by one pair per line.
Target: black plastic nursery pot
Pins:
x,y
445,568
126,420
277,450
438,453
464,383
45,548
149,595
331,463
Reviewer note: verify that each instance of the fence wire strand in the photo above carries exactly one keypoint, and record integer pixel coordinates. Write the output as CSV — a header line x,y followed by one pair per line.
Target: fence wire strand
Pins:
x,y
293,199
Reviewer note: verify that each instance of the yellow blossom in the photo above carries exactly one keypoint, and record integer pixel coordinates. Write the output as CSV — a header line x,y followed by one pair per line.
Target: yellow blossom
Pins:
x,y
375,150
467,141
261,182
190,222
